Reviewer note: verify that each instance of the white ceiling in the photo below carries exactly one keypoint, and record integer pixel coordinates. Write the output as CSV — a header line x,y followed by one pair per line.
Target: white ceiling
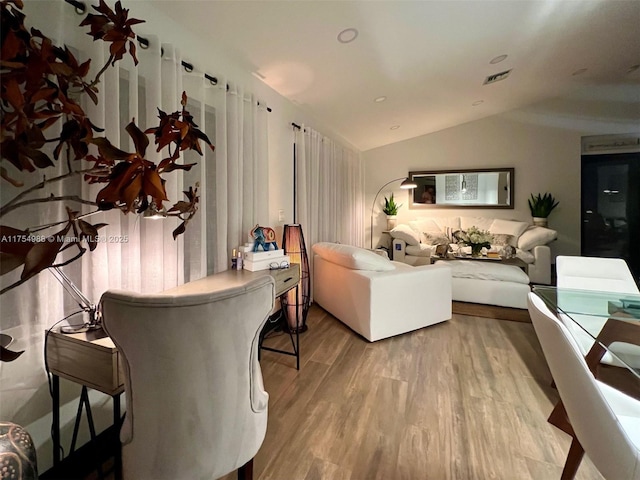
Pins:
x,y
429,58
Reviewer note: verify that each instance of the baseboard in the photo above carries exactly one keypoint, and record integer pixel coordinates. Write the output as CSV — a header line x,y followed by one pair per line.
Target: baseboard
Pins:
x,y
491,311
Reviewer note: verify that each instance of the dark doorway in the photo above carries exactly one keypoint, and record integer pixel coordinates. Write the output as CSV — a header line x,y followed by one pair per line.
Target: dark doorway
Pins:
x,y
611,207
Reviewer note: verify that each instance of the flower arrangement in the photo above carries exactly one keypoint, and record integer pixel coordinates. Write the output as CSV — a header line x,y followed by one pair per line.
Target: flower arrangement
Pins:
x,y
475,238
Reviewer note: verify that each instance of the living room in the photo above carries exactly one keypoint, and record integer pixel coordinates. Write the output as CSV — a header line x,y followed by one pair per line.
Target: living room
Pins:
x,y
539,133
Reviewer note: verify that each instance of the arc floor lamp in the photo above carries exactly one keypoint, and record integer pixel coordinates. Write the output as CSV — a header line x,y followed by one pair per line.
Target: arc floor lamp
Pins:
x,y
407,184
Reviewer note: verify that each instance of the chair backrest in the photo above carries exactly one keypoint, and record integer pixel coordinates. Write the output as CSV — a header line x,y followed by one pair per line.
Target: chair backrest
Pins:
x,y
596,425
196,405
595,273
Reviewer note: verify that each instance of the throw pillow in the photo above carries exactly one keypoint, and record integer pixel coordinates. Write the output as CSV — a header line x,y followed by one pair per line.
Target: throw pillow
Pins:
x,y
509,227
406,233
501,239
534,236
436,239
352,257
442,249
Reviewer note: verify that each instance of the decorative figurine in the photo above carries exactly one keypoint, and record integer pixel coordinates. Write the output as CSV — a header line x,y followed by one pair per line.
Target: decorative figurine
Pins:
x,y
263,237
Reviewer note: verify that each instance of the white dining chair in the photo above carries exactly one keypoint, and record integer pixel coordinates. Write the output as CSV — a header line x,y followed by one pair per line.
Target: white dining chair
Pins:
x,y
196,405
605,421
594,274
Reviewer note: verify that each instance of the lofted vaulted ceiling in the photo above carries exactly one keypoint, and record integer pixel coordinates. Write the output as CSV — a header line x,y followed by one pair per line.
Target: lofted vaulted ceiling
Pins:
x,y
428,58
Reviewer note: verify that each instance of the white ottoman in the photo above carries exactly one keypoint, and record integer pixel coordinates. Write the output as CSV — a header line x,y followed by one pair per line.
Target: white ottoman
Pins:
x,y
488,283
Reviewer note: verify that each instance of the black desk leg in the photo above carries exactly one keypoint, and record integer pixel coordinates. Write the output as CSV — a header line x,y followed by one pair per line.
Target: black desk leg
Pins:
x,y
117,421
55,428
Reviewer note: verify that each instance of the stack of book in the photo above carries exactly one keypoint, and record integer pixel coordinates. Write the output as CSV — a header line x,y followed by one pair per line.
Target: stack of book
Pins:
x,y
261,260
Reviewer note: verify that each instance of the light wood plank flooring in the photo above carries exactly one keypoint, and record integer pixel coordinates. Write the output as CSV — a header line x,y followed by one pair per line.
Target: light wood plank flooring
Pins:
x,y
467,399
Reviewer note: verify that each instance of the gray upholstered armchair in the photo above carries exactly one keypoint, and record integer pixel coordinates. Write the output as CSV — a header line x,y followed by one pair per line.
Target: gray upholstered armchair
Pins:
x,y
196,405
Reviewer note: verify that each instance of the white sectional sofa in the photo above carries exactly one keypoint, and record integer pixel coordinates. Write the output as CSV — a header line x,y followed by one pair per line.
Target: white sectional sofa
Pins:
x,y
376,297
414,242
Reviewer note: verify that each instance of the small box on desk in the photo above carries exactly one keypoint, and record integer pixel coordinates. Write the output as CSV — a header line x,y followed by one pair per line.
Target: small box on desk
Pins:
x,y
254,266
262,255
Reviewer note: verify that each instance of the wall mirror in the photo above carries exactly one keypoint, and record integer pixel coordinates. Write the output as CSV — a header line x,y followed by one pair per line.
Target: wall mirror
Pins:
x,y
478,188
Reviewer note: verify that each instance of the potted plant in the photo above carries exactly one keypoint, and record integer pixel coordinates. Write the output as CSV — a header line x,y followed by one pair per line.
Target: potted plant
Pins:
x,y
541,206
391,211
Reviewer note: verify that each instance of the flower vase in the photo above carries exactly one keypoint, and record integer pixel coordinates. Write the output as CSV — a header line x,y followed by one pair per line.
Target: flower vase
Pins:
x,y
540,221
391,222
476,250
17,453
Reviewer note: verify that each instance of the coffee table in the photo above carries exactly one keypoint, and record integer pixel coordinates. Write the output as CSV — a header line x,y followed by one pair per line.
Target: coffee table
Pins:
x,y
516,262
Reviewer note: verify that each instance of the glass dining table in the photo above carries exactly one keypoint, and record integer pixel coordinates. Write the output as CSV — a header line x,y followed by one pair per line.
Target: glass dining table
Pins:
x,y
606,326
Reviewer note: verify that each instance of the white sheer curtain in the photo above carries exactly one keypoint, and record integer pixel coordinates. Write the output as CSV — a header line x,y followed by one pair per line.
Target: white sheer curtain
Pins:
x,y
330,186
135,253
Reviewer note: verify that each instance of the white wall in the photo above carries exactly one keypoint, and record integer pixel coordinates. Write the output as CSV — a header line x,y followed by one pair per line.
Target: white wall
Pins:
x,y
542,143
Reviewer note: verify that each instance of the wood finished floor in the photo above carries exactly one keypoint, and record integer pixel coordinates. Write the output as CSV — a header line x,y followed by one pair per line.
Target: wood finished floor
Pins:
x,y
464,400
467,399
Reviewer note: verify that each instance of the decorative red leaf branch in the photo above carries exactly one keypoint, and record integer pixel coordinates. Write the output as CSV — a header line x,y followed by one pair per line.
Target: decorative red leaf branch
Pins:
x,y
40,84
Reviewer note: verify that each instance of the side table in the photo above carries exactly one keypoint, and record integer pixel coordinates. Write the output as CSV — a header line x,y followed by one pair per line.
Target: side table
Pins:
x,y
89,359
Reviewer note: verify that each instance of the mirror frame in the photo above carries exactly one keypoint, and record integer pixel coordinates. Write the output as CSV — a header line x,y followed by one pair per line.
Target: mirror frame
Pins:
x,y
416,205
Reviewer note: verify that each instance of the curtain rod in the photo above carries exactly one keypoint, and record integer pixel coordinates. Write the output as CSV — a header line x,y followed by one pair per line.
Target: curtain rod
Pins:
x,y
81,8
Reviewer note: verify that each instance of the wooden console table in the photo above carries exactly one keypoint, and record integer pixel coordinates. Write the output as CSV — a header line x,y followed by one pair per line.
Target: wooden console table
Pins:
x,y
91,359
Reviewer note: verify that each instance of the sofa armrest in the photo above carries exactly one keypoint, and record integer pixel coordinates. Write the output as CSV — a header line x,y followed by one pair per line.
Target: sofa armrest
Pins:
x,y
415,296
540,270
399,250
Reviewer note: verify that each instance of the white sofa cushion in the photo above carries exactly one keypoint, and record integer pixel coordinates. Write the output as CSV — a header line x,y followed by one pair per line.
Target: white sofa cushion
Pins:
x,y
452,223
422,250
482,223
352,257
485,270
509,227
406,233
426,226
525,255
534,236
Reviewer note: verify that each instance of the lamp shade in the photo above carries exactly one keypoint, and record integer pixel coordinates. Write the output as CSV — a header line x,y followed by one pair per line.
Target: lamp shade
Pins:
x,y
295,309
408,184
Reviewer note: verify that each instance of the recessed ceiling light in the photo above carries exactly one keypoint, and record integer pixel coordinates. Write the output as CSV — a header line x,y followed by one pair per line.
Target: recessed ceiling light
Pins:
x,y
347,35
633,68
395,127
380,99
498,59
477,102
579,72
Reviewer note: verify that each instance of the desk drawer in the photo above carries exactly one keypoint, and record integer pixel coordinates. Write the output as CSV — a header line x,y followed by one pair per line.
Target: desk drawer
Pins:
x,y
87,359
286,279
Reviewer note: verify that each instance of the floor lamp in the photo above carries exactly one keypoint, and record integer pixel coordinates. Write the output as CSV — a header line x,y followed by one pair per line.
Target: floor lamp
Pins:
x,y
293,246
406,184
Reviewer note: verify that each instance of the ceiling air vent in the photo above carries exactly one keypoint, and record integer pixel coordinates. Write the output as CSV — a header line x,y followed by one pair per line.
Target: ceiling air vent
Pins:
x,y
496,77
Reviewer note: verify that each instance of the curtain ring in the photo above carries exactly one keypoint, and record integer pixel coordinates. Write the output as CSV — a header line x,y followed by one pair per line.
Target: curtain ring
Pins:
x,y
79,7
212,80
187,67
143,42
